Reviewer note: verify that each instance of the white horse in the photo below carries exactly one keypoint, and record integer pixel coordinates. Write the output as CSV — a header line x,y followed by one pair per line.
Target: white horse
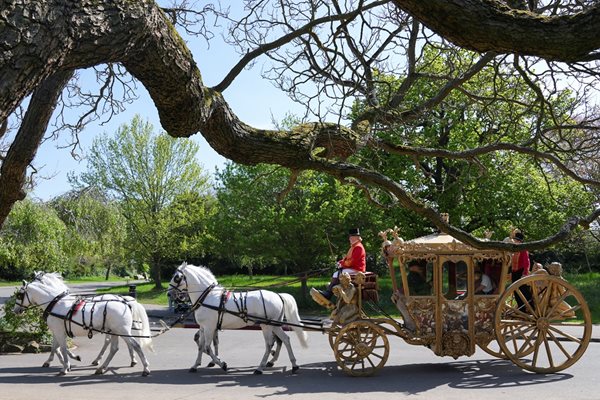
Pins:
x,y
107,340
215,305
67,314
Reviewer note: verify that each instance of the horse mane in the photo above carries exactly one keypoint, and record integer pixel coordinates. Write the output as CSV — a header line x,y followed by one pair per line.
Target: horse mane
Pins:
x,y
207,273
51,278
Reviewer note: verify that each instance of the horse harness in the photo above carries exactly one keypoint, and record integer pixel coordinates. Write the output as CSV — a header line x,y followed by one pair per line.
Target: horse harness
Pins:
x,y
240,302
78,305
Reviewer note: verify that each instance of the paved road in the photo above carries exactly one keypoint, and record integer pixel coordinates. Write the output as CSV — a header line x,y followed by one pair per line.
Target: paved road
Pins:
x,y
411,371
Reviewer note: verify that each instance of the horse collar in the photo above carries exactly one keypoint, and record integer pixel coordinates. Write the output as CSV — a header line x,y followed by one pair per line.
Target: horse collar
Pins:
x,y
52,303
202,297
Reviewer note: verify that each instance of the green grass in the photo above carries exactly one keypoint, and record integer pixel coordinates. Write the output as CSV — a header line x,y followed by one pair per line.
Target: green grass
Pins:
x,y
589,286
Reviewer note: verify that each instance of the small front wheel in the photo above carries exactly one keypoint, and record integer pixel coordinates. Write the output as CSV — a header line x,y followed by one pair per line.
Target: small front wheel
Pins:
x,y
361,348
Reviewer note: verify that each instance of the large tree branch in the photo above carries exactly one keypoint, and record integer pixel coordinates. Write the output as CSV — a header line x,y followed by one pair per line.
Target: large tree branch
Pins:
x,y
472,155
490,25
13,171
344,171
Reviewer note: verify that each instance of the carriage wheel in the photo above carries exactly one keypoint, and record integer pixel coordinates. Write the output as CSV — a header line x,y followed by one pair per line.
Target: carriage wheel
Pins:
x,y
361,348
548,333
493,347
332,334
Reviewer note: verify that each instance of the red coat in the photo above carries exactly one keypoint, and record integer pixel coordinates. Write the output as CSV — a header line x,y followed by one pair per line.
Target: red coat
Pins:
x,y
356,258
520,262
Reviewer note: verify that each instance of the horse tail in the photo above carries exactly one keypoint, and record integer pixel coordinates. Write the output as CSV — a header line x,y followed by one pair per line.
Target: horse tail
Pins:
x,y
291,314
141,317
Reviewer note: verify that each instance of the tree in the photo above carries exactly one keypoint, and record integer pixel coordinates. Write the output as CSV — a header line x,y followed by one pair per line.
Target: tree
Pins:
x,y
187,220
318,51
95,232
145,173
518,190
33,239
261,221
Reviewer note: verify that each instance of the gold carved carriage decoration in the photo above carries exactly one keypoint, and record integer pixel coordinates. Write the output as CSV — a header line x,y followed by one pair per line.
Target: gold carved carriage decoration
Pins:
x,y
541,322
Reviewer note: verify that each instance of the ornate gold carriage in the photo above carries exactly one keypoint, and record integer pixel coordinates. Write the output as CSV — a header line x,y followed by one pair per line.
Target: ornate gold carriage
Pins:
x,y
540,322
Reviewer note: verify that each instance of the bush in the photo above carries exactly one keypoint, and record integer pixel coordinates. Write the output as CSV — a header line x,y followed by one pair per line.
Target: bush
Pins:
x,y
30,324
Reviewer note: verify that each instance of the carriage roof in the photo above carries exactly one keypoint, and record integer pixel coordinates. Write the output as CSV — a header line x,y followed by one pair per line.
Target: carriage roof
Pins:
x,y
434,244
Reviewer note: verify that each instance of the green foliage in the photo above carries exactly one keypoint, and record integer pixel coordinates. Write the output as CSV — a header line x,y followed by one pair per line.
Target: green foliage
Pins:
x,y
261,222
29,323
33,238
500,190
145,172
95,232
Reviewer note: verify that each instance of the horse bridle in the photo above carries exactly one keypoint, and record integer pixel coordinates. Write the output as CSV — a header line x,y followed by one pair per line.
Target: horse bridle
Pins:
x,y
20,297
178,278
22,294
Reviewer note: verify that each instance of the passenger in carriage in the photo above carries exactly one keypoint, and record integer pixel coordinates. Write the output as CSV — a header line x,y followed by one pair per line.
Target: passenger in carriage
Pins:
x,y
352,263
483,283
417,279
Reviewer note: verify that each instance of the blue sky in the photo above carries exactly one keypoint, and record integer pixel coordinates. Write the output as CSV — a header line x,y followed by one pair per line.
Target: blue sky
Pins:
x,y
253,99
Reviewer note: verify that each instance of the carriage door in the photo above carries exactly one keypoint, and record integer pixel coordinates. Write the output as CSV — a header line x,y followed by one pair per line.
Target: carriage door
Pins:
x,y
454,307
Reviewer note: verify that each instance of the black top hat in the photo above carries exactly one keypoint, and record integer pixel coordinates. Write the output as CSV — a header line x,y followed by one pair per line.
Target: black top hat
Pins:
x,y
519,236
354,232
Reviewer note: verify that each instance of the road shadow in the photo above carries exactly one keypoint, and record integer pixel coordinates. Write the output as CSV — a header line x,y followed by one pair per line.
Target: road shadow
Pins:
x,y
312,378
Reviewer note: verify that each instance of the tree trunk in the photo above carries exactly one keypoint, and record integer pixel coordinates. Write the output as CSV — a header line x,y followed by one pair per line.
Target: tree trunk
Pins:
x,y
155,271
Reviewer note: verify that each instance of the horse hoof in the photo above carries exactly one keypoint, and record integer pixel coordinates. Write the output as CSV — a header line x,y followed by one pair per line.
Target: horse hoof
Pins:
x,y
145,373
95,362
99,371
45,365
62,373
295,369
224,366
257,372
133,364
270,364
78,358
193,369
210,364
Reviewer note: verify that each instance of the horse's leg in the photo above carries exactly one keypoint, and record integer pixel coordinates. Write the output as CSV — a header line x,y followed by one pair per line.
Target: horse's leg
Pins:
x,y
269,340
215,347
199,339
208,339
132,343
53,350
62,352
104,347
131,354
280,333
275,353
114,347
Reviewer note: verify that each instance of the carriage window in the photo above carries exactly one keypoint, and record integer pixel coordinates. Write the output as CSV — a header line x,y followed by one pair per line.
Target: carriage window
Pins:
x,y
492,268
419,277
454,279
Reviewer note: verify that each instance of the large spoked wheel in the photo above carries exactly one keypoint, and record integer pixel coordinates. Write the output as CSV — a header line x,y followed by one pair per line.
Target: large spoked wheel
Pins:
x,y
361,348
493,347
547,327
